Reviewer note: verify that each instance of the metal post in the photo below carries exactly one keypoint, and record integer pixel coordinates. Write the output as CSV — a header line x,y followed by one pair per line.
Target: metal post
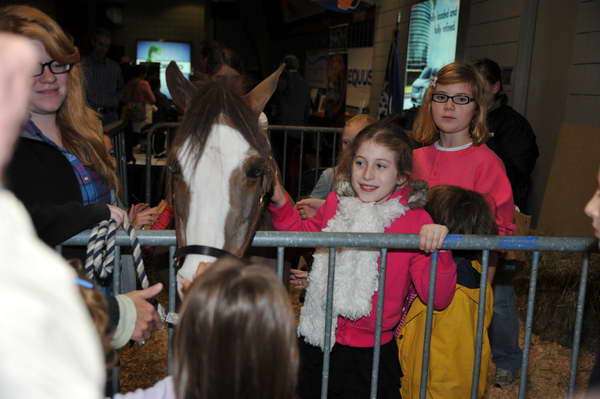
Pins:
x,y
148,187
529,324
428,326
578,323
377,343
300,164
480,323
280,263
328,317
171,307
318,164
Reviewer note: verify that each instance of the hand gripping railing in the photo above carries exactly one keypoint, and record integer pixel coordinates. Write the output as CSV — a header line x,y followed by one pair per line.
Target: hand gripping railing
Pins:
x,y
282,240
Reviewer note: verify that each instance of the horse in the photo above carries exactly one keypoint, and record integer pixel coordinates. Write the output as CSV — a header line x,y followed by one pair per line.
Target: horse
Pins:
x,y
221,166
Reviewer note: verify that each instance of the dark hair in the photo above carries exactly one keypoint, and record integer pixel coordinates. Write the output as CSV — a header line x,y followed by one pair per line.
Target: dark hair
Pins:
x,y
490,70
291,62
236,337
462,211
215,55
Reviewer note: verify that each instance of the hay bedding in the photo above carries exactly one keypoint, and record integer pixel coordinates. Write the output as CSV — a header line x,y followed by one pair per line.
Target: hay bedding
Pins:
x,y
549,361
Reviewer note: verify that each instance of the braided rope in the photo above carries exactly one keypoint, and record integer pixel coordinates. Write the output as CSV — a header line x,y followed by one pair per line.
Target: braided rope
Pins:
x,y
100,257
100,254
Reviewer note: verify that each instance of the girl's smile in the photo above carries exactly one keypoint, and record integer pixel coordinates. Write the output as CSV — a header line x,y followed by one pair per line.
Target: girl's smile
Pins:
x,y
375,175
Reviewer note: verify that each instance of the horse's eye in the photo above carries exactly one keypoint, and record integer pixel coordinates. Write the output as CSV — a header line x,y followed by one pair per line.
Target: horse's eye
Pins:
x,y
254,172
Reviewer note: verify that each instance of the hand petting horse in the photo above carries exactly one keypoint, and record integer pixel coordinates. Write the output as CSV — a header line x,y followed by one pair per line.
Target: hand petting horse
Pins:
x,y
221,166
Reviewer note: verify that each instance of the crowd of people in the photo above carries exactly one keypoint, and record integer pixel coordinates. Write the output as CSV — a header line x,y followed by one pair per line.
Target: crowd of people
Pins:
x,y
237,336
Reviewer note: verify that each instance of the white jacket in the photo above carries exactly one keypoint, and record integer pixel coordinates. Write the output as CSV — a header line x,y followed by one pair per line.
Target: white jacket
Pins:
x,y
48,345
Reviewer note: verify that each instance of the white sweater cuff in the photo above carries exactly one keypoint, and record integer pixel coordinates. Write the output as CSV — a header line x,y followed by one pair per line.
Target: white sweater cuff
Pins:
x,y
127,317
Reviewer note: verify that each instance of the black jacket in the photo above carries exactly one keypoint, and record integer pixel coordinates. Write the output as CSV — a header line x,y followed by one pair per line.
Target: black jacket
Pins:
x,y
513,140
43,179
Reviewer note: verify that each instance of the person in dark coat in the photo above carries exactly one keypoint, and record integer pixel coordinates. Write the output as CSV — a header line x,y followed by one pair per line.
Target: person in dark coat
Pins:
x,y
513,140
512,137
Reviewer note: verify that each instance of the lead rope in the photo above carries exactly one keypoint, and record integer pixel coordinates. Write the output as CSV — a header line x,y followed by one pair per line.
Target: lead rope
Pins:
x,y
100,257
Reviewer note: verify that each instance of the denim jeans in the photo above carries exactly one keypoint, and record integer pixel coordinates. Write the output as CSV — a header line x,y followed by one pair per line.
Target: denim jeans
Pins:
x,y
504,331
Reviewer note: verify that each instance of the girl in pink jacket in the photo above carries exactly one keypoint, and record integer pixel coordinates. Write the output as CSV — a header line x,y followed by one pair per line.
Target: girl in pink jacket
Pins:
x,y
372,196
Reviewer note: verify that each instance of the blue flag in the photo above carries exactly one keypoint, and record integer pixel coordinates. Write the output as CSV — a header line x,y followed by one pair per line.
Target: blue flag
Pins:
x,y
392,94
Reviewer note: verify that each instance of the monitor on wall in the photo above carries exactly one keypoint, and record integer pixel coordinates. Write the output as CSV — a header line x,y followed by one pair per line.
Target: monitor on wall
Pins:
x,y
432,39
163,52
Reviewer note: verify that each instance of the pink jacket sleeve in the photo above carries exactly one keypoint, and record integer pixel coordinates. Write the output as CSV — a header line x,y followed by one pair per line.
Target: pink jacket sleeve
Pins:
x,y
287,217
445,284
493,183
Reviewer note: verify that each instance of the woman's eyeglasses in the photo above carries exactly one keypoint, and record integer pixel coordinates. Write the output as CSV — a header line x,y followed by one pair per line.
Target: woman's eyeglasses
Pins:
x,y
460,99
55,67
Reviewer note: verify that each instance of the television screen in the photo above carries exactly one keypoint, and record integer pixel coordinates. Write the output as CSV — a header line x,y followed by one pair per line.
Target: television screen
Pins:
x,y
162,53
432,37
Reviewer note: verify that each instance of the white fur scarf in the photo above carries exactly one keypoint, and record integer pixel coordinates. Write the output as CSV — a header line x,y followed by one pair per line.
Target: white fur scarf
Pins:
x,y
356,269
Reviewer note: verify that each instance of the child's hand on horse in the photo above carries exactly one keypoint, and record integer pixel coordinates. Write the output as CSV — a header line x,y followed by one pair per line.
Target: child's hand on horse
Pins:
x,y
308,207
142,215
202,267
298,278
432,237
279,196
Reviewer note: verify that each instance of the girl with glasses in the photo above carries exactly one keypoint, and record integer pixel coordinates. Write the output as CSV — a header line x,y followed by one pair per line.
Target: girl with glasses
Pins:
x,y
451,125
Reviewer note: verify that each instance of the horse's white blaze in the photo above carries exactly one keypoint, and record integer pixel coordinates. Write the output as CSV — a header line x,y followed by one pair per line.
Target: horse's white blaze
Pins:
x,y
208,182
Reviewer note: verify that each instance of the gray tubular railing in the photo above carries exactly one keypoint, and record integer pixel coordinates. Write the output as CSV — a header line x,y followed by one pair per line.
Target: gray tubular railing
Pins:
x,y
316,130
149,140
116,132
278,129
282,240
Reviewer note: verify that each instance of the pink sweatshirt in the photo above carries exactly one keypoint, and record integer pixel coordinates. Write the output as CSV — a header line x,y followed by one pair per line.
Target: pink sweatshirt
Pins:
x,y
403,267
475,168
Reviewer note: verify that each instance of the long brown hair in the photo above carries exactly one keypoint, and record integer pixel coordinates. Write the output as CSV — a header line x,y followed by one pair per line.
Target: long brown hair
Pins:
x,y
426,132
237,336
79,125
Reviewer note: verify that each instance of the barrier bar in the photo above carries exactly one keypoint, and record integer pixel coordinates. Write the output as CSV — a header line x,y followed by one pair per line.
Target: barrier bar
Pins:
x,y
529,323
371,240
428,326
485,266
172,306
578,323
378,328
328,320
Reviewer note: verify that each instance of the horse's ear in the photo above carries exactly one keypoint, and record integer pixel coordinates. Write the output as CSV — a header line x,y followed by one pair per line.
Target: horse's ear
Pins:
x,y
180,88
258,97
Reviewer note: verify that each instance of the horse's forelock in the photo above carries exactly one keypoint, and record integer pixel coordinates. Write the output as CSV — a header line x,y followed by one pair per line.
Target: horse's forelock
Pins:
x,y
216,101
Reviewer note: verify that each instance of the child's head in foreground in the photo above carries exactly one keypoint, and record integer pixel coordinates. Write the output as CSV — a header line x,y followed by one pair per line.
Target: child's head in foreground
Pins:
x,y
378,163
464,114
237,335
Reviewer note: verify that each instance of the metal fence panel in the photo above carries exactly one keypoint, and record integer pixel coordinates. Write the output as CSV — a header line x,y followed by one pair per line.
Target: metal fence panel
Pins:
x,y
282,240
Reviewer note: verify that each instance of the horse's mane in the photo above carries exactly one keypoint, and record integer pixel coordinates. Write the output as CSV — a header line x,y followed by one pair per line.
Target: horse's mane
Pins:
x,y
218,101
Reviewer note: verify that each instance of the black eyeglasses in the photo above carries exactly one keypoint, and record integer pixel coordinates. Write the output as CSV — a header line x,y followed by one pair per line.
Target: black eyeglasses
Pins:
x,y
460,99
55,67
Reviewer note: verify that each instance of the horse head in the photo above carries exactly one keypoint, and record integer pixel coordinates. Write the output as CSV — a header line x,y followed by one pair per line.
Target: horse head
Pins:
x,y
220,162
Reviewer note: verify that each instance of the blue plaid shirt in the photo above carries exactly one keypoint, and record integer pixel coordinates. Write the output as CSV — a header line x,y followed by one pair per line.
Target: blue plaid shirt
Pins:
x,y
94,189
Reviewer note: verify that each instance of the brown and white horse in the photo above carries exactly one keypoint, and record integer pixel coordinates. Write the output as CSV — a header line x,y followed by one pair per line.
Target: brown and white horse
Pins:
x,y
221,165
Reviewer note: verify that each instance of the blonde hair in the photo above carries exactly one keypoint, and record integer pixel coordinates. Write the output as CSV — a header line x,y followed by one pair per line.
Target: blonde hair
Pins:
x,y
426,132
364,119
80,126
